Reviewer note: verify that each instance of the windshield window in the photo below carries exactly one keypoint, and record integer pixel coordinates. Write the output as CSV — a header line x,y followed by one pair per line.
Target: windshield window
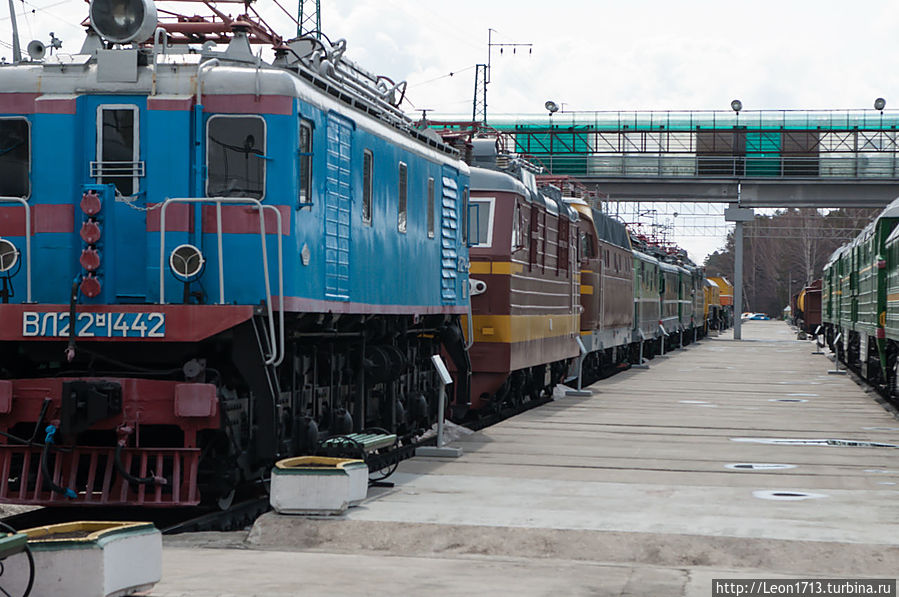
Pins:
x,y
235,157
15,157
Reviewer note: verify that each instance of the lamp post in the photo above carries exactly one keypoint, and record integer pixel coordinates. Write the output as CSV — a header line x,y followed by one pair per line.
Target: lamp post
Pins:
x,y
738,215
736,105
552,108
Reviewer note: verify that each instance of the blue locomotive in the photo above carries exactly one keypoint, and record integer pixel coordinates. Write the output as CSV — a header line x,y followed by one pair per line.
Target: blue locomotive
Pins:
x,y
210,262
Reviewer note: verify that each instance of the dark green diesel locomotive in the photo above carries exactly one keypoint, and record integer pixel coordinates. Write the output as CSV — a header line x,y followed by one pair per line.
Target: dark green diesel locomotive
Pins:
x,y
860,300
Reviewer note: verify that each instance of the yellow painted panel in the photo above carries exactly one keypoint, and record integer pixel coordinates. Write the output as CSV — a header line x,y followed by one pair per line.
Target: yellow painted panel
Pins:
x,y
586,289
506,267
479,267
521,328
495,267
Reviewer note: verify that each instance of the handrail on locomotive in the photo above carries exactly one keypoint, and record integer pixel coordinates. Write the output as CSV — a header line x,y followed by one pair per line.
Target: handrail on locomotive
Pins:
x,y
24,203
276,355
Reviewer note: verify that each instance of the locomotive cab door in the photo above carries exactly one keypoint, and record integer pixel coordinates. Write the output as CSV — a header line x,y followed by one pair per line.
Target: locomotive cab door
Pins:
x,y
118,162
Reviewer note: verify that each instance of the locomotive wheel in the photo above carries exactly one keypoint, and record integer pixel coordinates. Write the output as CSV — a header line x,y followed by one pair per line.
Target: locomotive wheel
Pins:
x,y
225,501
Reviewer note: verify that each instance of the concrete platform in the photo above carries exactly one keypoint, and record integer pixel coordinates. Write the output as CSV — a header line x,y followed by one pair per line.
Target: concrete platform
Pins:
x,y
626,492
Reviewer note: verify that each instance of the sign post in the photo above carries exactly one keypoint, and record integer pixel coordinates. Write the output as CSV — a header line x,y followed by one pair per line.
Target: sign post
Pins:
x,y
440,450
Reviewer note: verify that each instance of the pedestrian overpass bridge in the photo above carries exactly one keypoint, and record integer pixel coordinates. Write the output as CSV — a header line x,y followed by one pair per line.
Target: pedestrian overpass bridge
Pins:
x,y
773,158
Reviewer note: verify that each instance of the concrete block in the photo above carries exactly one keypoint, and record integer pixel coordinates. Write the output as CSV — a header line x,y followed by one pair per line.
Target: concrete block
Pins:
x,y
90,559
318,485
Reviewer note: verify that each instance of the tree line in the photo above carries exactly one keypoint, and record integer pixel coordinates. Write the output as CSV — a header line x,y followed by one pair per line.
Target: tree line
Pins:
x,y
785,251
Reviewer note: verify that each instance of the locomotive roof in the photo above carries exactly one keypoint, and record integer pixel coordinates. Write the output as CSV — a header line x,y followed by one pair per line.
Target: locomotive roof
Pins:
x,y
670,267
175,76
611,230
644,257
483,179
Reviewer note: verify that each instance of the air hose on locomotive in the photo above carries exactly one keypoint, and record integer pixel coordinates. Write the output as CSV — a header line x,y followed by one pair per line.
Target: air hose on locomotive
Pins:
x,y
124,431
45,469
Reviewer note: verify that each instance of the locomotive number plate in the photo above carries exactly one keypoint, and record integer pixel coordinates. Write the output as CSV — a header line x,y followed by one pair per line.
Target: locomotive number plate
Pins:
x,y
94,325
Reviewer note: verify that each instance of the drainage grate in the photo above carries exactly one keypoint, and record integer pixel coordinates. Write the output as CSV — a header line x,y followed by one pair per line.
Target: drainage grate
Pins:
x,y
787,495
787,400
756,466
813,442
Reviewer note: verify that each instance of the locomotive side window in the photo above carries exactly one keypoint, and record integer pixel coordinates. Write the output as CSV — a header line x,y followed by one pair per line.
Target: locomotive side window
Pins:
x,y
403,207
587,245
15,157
368,160
480,213
235,156
118,148
465,215
431,200
305,154
516,226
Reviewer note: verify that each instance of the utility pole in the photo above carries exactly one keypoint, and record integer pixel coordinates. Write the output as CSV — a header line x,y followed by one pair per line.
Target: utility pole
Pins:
x,y
479,106
482,75
16,50
309,18
738,215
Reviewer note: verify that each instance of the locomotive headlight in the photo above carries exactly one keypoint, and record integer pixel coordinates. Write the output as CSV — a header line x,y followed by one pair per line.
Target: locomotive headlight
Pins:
x,y
187,262
123,21
9,255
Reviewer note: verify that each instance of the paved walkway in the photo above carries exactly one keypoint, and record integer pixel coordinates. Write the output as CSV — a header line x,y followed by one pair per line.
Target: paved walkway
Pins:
x,y
643,488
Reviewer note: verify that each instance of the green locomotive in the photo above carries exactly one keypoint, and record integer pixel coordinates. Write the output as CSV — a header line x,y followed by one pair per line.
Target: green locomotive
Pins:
x,y
860,300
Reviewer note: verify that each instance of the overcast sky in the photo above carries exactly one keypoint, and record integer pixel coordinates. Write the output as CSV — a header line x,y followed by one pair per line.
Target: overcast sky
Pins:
x,y
592,55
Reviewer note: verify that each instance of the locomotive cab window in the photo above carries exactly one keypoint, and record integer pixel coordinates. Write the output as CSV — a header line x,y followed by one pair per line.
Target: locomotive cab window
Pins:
x,y
480,216
118,148
587,250
15,157
305,153
235,156
465,215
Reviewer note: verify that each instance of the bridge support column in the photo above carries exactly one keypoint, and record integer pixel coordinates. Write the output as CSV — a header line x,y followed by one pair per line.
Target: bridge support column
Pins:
x,y
738,215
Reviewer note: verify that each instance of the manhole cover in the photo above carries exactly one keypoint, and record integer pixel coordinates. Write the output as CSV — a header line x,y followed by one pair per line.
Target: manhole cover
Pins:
x,y
786,495
787,400
758,466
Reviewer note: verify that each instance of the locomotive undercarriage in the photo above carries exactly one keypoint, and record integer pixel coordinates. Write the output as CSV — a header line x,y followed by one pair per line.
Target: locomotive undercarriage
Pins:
x,y
882,358
117,441
521,389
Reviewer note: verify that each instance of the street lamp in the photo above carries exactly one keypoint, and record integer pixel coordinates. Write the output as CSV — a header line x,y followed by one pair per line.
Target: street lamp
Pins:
x,y
552,108
736,105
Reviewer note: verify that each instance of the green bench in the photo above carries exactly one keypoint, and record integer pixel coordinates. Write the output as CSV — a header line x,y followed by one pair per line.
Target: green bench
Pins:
x,y
376,447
